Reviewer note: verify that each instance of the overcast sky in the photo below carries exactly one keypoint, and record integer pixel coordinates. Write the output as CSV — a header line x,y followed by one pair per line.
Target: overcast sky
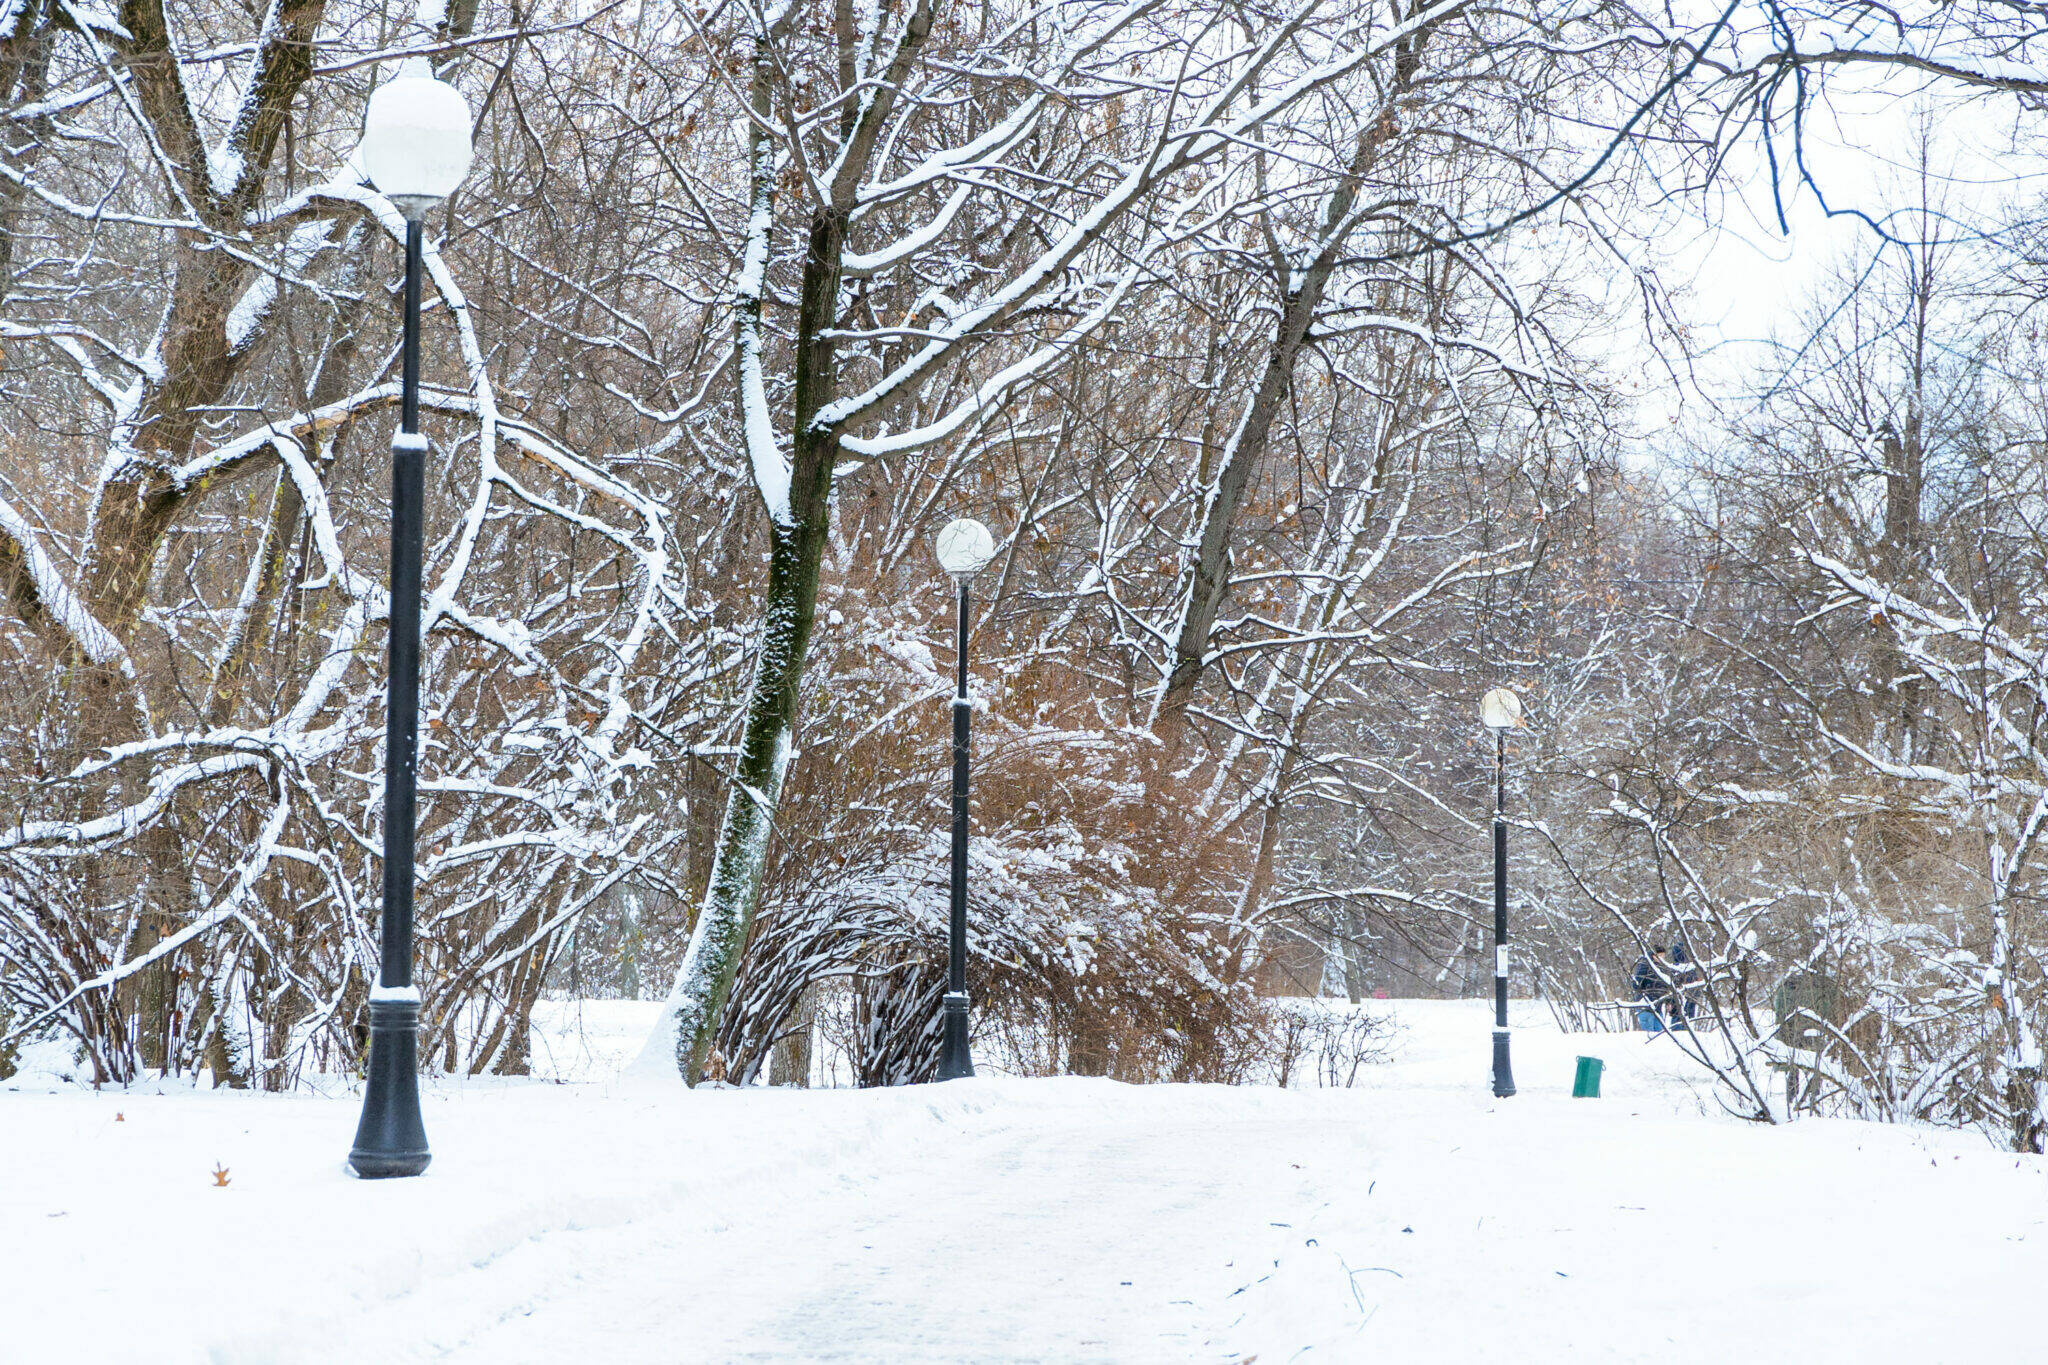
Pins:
x,y
1750,278
1743,282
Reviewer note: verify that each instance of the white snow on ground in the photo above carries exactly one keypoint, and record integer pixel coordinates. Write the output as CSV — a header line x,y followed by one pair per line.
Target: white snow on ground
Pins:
x,y
1412,1218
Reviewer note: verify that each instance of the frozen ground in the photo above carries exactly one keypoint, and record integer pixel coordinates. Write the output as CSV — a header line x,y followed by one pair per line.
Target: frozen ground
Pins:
x,y
1411,1219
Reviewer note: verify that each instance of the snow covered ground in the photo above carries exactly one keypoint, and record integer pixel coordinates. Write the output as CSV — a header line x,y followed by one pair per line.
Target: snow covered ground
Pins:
x,y
1412,1218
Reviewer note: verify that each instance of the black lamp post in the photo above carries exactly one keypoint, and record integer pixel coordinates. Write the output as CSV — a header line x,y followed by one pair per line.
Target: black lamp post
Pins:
x,y
963,546
415,149
1501,709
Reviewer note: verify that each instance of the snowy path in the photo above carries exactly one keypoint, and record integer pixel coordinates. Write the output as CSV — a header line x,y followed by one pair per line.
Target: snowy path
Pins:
x,y
1091,1240
1003,1220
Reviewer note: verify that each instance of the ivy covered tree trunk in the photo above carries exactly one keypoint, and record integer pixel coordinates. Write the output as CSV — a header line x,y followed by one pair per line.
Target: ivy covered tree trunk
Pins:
x,y
1021,297
727,913
798,497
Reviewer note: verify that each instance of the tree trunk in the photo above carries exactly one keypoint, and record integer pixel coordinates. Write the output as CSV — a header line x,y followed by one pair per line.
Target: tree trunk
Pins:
x,y
1206,577
790,1062
1354,969
796,550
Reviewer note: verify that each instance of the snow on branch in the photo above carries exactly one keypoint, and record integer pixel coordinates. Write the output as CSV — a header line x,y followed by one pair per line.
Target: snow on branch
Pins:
x,y
1212,128
42,593
228,907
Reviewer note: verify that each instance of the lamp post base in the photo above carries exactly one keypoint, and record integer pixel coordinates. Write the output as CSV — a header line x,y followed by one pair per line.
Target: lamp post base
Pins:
x,y
1503,1074
955,1061
391,1140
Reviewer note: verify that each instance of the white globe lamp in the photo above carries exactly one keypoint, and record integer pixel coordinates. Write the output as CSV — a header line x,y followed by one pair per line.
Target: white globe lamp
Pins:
x,y
416,139
1501,709
964,548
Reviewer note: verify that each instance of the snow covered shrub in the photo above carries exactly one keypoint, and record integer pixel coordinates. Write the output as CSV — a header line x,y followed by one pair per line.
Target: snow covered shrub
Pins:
x,y
1291,1040
1349,1041
1896,1017
1885,506
1090,949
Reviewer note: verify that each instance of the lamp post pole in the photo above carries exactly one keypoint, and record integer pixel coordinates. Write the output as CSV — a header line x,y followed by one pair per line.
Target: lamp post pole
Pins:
x,y
1501,709
1503,1073
416,150
963,546
955,1061
391,1140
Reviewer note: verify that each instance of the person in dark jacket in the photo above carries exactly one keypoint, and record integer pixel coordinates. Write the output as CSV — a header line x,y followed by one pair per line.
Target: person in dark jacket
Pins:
x,y
1652,979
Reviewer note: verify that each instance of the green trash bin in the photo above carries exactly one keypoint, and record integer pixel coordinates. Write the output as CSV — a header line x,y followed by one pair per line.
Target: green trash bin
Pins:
x,y
1586,1084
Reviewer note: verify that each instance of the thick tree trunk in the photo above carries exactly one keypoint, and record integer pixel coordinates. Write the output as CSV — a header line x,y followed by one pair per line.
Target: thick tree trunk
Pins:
x,y
790,1061
727,913
796,551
